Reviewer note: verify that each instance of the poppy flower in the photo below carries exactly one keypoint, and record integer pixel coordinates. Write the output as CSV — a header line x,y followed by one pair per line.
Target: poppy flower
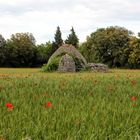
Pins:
x,y
48,104
10,106
133,98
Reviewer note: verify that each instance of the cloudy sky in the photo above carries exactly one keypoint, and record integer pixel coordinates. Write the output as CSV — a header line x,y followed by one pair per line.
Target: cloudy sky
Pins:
x,y
41,17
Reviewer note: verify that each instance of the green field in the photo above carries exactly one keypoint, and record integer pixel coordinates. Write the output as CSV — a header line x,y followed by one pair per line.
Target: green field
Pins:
x,y
85,106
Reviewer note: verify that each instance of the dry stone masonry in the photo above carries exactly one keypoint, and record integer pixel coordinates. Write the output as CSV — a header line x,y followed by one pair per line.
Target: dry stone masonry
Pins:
x,y
66,64
71,50
97,67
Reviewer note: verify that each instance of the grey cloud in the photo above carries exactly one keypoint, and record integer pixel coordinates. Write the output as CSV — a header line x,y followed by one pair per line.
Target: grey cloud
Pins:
x,y
103,8
36,6
41,17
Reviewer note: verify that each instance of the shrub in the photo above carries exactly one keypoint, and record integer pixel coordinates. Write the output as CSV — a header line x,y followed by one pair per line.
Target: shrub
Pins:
x,y
52,65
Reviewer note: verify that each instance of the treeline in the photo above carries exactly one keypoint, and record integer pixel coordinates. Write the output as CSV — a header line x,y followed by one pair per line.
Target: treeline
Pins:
x,y
21,49
114,46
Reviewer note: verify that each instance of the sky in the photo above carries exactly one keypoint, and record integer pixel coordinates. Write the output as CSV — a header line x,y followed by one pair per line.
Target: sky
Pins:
x,y
41,17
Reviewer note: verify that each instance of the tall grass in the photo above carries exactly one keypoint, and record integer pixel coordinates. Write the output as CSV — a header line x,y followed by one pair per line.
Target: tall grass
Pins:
x,y
85,106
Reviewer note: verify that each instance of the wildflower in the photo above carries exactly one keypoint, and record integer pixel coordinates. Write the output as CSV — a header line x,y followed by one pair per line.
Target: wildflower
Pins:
x,y
48,104
10,106
133,98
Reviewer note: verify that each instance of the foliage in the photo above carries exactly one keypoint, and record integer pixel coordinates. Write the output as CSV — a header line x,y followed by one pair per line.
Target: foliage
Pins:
x,y
114,46
2,50
134,56
87,106
109,45
72,39
87,49
2,41
44,52
58,38
78,63
139,34
52,65
21,50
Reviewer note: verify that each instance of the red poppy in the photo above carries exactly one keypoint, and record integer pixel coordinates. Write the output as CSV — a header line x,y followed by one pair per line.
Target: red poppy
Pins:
x,y
133,98
48,104
10,106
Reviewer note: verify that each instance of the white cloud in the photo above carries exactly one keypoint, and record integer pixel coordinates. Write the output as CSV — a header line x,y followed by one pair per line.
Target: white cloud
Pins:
x,y
41,17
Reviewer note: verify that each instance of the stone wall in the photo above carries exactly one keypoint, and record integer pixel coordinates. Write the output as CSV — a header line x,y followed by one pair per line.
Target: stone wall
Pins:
x,y
97,67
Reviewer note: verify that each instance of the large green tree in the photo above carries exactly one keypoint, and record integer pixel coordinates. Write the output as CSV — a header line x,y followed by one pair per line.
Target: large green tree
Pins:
x,y
21,50
72,38
87,49
110,44
134,52
58,41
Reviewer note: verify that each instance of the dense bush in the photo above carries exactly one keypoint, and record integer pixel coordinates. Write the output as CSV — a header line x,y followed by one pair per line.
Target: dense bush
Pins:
x,y
52,65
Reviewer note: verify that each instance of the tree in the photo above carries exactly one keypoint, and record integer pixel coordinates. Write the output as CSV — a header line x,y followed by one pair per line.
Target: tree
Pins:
x,y
2,41
134,55
58,38
44,52
88,50
21,50
110,44
2,50
72,38
139,34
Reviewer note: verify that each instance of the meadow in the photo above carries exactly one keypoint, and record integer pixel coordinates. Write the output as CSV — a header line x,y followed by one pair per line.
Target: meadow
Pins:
x,y
69,106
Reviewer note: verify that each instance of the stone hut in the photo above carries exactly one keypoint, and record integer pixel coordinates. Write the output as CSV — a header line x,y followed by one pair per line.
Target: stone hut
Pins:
x,y
70,56
68,59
